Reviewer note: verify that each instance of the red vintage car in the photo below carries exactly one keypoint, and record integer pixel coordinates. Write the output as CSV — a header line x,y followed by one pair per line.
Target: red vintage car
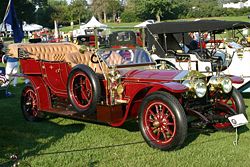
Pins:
x,y
111,86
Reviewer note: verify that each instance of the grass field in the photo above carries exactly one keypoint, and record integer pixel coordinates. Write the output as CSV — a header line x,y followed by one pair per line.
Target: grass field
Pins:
x,y
64,142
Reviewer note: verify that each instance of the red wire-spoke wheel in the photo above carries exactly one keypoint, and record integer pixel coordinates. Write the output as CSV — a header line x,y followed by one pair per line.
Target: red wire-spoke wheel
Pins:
x,y
83,89
228,105
162,121
29,104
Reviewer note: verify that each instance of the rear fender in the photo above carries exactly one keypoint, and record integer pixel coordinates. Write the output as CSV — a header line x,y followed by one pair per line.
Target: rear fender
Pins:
x,y
43,95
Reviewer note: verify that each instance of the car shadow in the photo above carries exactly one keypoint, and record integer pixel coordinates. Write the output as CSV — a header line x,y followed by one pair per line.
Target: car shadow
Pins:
x,y
246,94
24,139
131,126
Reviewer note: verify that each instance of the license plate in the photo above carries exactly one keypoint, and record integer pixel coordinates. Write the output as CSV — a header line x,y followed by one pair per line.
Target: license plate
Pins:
x,y
238,120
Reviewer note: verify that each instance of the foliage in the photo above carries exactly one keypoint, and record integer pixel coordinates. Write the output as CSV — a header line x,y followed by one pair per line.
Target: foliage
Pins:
x,y
128,17
44,12
78,10
24,10
104,8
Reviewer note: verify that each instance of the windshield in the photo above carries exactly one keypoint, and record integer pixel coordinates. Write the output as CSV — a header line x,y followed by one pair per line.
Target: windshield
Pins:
x,y
125,56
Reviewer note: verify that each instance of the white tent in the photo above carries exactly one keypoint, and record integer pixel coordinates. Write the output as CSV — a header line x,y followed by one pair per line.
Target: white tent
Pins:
x,y
2,27
93,23
144,24
26,27
31,27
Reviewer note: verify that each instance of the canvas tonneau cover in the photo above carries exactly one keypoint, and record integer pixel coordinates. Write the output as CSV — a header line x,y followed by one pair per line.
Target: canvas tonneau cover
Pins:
x,y
195,26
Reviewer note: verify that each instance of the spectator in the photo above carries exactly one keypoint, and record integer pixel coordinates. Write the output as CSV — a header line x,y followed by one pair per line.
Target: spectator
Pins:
x,y
11,68
194,42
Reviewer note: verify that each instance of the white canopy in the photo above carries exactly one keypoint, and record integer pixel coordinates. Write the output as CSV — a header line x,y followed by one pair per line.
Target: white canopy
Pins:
x,y
2,27
93,23
144,24
32,27
26,27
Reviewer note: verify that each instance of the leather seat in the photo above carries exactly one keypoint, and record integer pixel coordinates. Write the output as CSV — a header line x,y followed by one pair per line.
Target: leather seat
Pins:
x,y
44,51
76,58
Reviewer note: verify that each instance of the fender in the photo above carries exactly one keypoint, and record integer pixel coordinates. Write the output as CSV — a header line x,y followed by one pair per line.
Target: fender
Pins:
x,y
236,79
43,95
135,98
173,87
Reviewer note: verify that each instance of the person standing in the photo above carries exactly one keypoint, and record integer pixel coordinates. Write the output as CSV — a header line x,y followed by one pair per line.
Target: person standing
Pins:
x,y
11,69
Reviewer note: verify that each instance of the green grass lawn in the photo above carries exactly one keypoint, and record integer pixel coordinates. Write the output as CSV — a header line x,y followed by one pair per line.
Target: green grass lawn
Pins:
x,y
65,142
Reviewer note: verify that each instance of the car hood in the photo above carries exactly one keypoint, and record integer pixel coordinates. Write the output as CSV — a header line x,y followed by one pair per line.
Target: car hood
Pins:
x,y
155,75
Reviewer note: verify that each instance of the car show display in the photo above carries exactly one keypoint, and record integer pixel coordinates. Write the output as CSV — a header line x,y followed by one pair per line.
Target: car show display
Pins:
x,y
116,84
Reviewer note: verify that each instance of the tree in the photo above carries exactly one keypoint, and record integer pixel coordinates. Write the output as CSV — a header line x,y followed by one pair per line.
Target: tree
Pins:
x,y
99,7
78,10
40,3
103,8
153,8
158,8
130,12
114,8
24,10
59,9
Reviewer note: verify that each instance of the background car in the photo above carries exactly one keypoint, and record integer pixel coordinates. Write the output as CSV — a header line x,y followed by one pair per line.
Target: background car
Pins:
x,y
171,44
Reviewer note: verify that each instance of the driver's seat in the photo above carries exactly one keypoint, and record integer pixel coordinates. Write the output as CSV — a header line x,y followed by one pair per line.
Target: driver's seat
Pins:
x,y
114,59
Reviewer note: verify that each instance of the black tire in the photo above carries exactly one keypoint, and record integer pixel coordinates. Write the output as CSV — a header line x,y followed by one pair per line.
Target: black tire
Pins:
x,y
240,103
236,102
156,127
90,88
29,104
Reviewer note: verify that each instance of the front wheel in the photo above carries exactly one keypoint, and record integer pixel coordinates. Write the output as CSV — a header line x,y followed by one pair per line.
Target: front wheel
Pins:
x,y
162,121
233,104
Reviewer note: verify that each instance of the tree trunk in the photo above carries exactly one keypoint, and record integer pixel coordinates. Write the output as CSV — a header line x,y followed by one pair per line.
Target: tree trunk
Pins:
x,y
99,16
158,17
114,16
104,17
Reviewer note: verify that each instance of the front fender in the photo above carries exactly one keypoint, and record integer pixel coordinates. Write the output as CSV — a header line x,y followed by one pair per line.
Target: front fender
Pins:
x,y
173,87
236,79
142,90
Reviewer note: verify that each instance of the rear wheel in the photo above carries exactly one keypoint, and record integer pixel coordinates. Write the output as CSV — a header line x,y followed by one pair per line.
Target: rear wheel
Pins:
x,y
29,104
229,105
162,121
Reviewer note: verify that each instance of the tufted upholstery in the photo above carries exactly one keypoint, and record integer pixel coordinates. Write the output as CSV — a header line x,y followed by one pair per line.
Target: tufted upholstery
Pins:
x,y
67,52
85,58
114,58
45,51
